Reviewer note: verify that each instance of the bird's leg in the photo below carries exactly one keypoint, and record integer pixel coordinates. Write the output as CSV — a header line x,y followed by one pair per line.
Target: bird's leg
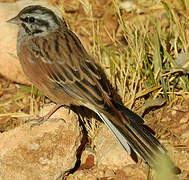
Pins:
x,y
41,120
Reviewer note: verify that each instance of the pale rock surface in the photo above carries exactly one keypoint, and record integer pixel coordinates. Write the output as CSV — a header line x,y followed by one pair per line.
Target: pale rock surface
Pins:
x,y
133,173
86,174
110,160
109,153
9,64
127,173
44,152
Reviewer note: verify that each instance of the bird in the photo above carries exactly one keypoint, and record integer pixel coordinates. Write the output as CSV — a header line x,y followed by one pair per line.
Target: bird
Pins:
x,y
55,61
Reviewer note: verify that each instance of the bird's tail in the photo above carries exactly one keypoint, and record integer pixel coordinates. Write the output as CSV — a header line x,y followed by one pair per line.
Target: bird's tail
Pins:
x,y
134,134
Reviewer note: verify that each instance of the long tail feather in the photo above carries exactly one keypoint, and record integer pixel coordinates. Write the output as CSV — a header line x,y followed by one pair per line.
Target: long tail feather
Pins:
x,y
139,138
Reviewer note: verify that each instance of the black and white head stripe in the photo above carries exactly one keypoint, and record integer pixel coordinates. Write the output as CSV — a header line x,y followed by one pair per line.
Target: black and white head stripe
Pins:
x,y
40,13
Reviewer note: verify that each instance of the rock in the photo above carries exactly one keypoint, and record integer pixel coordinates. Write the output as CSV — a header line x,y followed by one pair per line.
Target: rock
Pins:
x,y
46,151
127,173
86,174
109,153
131,173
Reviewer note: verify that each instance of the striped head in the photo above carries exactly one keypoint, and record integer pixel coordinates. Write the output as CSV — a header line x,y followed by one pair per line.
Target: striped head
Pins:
x,y
36,21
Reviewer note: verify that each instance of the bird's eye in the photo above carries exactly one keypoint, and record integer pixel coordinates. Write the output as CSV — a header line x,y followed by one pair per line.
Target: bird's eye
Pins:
x,y
26,19
29,19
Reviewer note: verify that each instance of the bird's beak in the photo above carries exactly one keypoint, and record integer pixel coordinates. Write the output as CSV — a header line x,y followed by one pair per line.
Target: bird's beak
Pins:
x,y
14,20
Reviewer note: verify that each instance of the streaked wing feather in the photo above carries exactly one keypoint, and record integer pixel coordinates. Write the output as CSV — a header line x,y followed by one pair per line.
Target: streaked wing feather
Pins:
x,y
75,73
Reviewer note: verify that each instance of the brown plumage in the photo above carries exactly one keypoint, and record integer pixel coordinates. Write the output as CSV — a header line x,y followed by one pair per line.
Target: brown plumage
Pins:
x,y
55,61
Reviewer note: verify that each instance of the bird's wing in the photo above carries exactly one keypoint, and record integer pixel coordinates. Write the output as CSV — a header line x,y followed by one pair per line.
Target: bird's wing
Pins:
x,y
66,63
